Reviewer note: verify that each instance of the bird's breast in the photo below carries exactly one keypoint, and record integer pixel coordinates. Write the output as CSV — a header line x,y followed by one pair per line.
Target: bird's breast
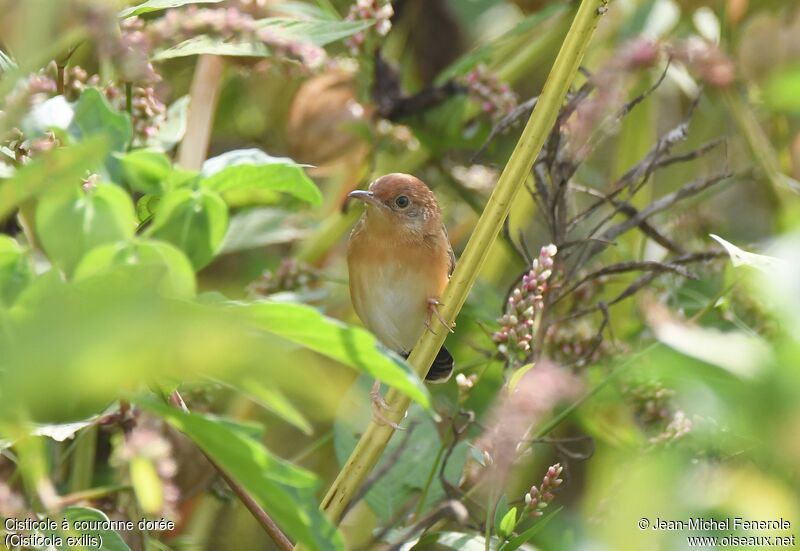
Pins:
x,y
390,287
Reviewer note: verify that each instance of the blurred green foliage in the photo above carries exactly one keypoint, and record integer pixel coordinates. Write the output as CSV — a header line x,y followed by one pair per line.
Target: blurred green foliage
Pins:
x,y
126,276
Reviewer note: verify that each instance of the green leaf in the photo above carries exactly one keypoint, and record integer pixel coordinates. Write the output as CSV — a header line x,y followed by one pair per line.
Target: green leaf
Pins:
x,y
194,221
301,10
286,492
259,175
145,171
203,44
72,222
170,270
48,172
500,510
270,398
174,128
507,524
528,535
350,345
260,227
108,540
158,5
320,32
15,270
94,116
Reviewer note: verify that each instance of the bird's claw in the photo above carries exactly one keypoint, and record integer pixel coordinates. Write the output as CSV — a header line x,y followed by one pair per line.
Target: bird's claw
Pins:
x,y
433,310
379,405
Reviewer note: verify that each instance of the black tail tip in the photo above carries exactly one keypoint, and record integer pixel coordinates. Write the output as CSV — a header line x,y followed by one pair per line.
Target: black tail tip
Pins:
x,y
441,368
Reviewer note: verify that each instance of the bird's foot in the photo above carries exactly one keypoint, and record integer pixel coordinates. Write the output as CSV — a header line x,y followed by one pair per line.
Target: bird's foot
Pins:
x,y
433,310
379,405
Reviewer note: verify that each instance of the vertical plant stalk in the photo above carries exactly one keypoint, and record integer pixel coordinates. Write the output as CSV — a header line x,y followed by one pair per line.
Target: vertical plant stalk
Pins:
x,y
374,440
82,467
203,95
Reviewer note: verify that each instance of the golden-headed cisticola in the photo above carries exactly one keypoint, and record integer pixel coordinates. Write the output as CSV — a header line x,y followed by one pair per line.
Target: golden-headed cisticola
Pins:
x,y
400,259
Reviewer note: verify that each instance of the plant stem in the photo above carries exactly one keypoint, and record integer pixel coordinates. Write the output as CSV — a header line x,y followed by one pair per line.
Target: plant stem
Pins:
x,y
487,531
429,481
82,467
204,94
374,440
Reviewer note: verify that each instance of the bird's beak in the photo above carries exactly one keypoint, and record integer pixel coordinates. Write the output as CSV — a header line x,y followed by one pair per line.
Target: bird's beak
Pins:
x,y
366,196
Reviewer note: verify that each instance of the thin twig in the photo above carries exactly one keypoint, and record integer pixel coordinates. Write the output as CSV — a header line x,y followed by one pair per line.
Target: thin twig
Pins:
x,y
270,526
389,463
622,267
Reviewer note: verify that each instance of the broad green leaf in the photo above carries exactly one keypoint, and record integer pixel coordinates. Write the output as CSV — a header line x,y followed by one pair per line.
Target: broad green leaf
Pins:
x,y
260,227
350,345
410,470
72,222
50,171
203,44
158,5
507,524
15,270
262,176
740,353
319,32
194,221
171,271
94,116
301,10
106,540
286,492
145,171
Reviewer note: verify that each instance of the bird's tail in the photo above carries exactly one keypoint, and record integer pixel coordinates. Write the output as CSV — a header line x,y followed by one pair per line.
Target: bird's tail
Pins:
x,y
441,368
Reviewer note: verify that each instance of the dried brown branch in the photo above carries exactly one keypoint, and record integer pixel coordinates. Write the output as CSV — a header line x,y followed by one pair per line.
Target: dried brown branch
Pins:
x,y
623,267
659,205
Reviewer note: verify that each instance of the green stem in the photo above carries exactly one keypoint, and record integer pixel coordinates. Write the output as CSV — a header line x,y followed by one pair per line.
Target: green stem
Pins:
x,y
487,531
429,481
82,468
370,447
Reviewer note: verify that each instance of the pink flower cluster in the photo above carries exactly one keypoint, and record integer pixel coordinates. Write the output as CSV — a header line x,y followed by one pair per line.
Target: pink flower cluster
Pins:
x,y
379,11
496,98
515,336
540,497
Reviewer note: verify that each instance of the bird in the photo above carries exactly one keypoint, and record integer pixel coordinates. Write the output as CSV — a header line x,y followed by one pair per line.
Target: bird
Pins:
x,y
399,261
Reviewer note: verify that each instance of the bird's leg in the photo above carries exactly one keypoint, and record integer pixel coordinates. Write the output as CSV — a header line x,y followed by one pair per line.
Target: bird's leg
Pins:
x,y
379,405
433,310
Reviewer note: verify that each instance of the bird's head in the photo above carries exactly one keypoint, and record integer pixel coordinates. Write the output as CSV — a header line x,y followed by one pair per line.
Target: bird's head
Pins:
x,y
400,202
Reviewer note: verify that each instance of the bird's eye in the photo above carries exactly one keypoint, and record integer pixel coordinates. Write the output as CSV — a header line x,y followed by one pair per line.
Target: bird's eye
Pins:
x,y
402,201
